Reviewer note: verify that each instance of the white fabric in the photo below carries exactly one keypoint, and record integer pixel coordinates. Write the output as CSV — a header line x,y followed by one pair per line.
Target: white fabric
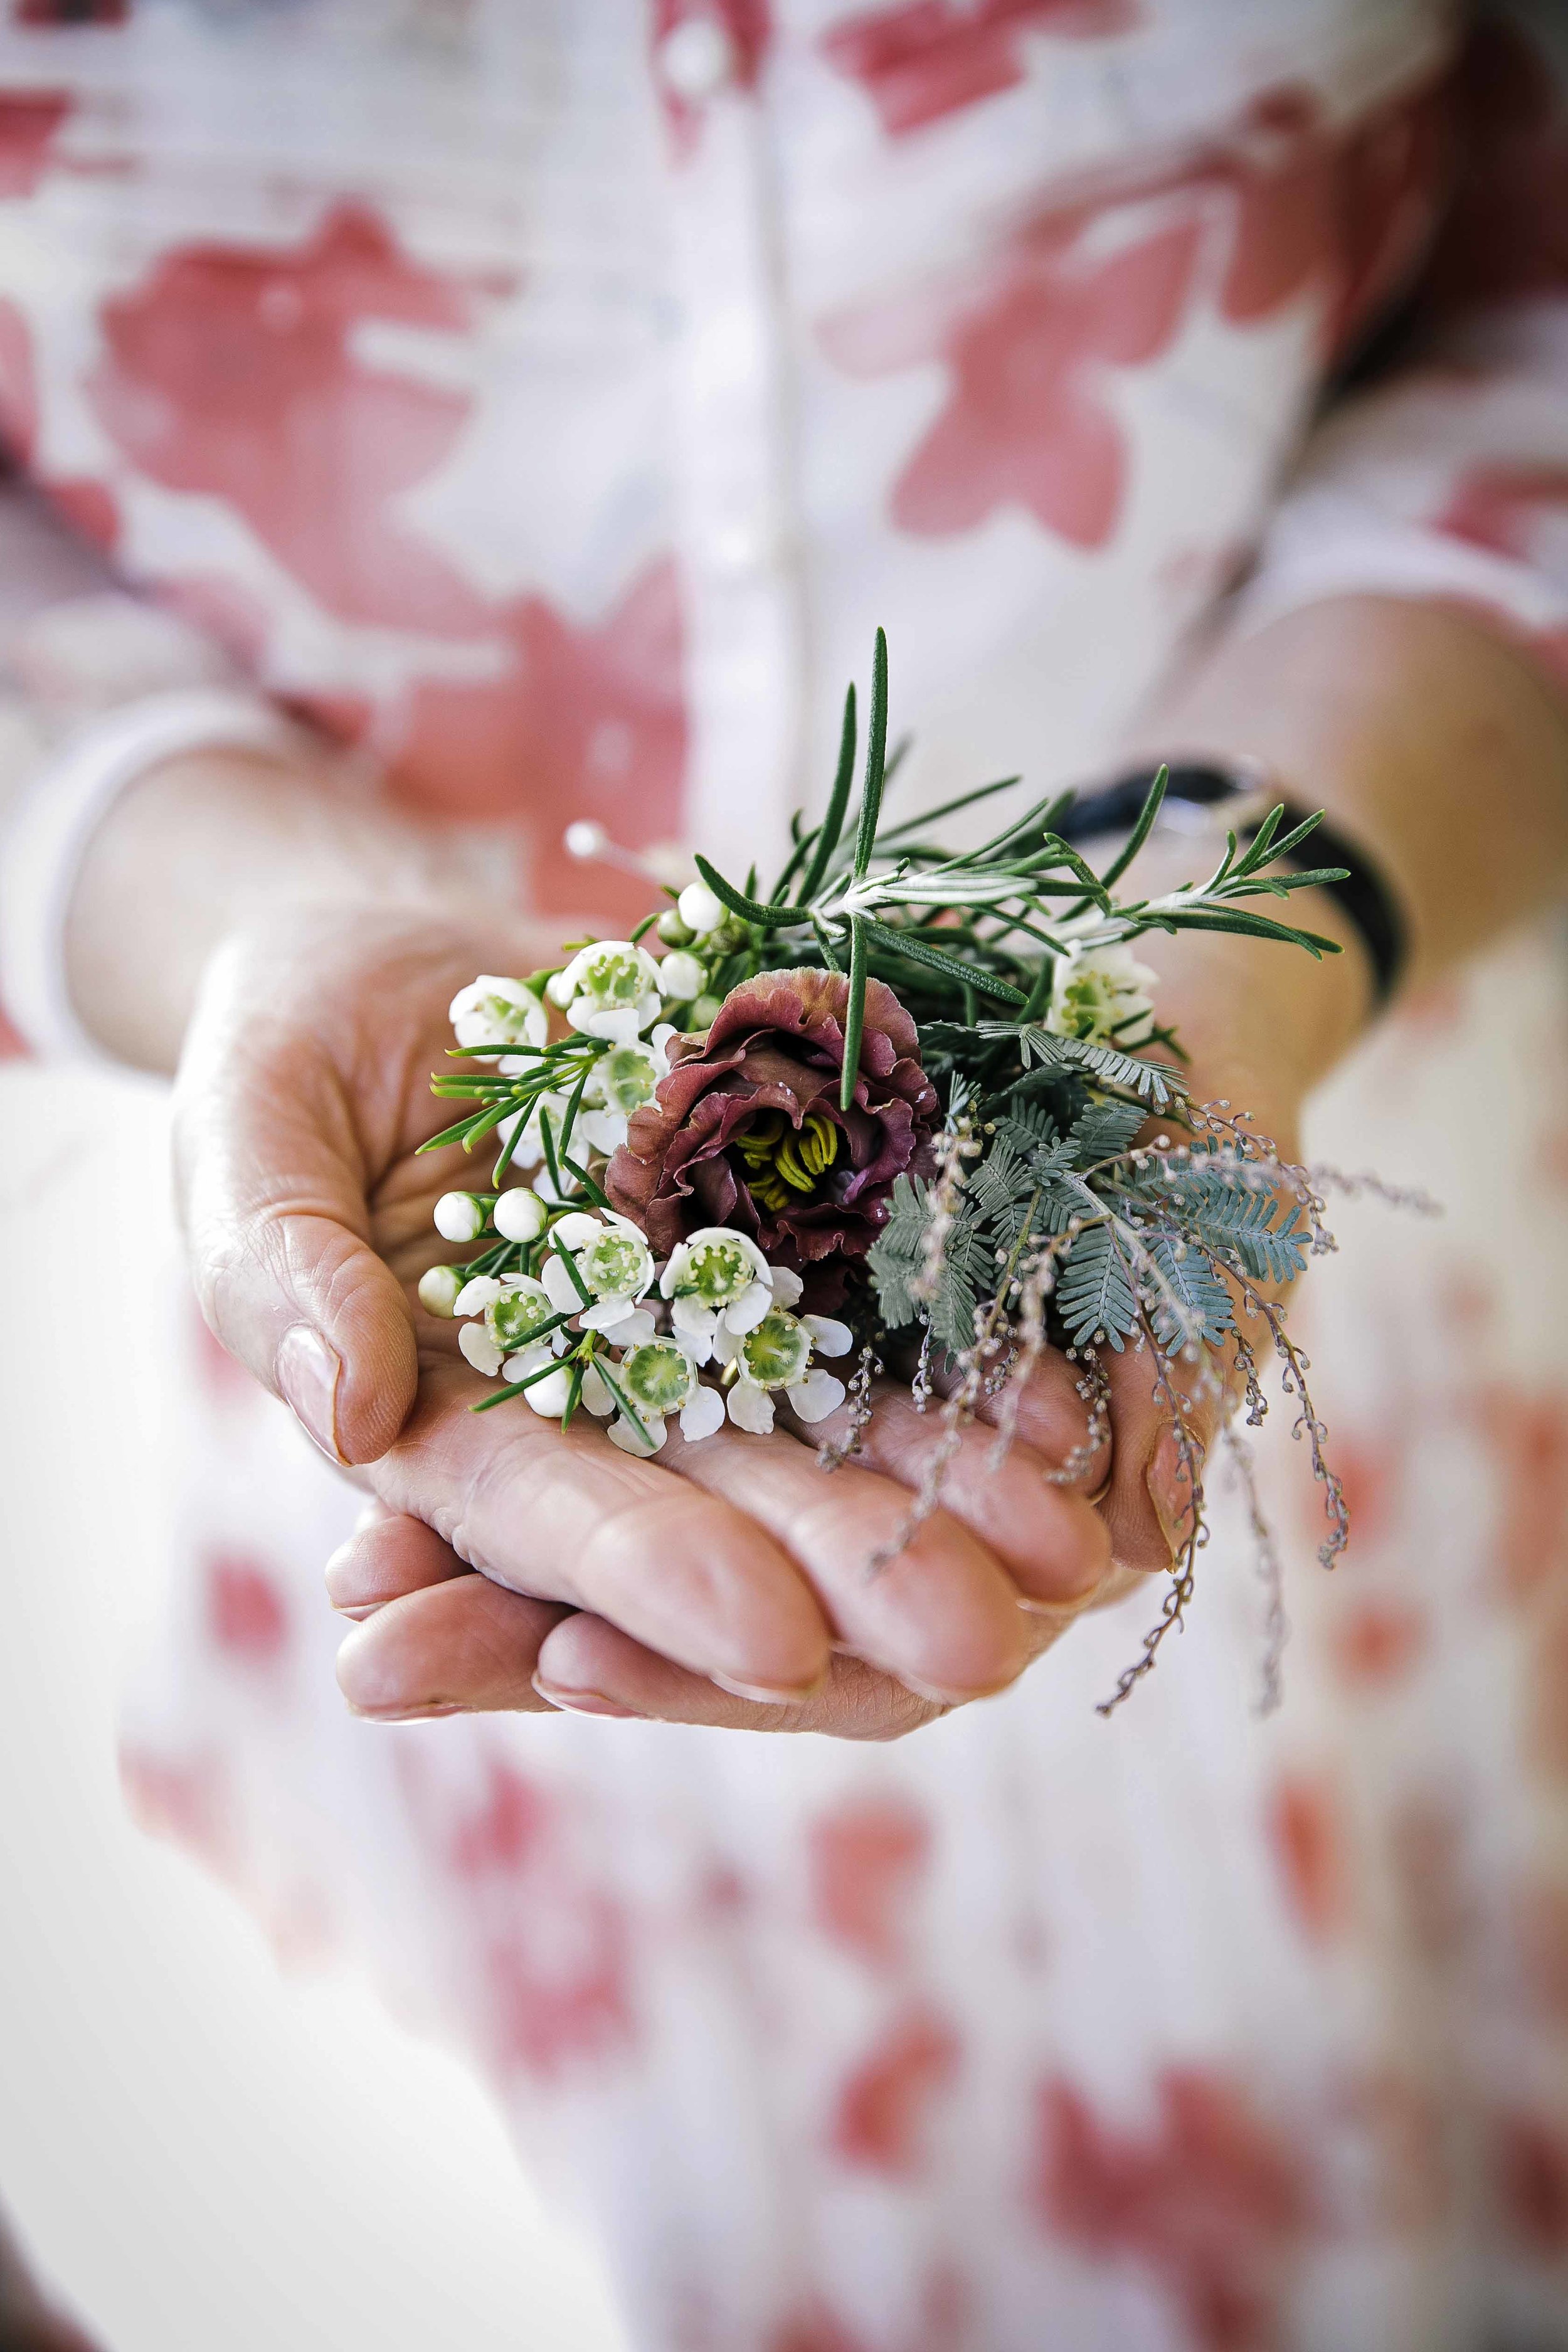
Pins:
x,y
47,838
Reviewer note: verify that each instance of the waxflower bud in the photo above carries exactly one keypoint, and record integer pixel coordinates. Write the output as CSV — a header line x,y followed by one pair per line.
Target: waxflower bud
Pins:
x,y
698,908
438,1291
520,1215
681,977
461,1216
672,930
706,1010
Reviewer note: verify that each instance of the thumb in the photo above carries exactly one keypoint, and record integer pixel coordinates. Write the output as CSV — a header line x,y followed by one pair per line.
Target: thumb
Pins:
x,y
271,1186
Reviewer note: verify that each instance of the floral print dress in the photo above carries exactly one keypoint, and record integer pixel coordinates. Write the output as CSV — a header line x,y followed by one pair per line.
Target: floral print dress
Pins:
x,y
550,400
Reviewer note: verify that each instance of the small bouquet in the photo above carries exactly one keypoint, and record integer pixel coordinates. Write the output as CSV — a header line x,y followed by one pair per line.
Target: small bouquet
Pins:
x,y
895,1112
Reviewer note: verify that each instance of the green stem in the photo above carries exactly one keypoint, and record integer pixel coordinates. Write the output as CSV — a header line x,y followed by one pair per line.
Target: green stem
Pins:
x,y
855,1016
876,758
839,801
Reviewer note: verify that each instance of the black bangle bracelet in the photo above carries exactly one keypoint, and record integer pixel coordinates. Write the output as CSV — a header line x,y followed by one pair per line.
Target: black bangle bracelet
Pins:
x,y
1363,894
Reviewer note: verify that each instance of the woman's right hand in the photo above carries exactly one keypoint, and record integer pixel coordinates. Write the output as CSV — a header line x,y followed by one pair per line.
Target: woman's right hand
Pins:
x,y
731,1573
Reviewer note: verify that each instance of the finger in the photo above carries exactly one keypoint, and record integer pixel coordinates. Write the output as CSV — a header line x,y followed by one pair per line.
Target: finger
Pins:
x,y
472,1646
387,1555
1052,1410
560,1516
271,1181
457,1646
1050,1541
924,1600
586,1666
1157,1469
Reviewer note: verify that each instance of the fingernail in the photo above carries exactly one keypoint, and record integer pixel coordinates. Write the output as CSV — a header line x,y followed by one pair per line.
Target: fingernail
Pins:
x,y
308,1373
404,1714
582,1701
339,1580
939,1697
768,1694
1169,1478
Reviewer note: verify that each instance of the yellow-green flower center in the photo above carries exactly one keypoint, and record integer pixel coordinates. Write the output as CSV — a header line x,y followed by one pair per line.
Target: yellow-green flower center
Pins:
x,y
783,1163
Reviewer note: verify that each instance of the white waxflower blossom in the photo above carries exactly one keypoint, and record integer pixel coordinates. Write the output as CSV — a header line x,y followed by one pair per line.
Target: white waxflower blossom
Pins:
x,y
556,1196
635,1328
660,1377
698,908
438,1291
528,1150
610,989
514,1316
718,1279
480,1349
494,1011
512,1306
520,1215
477,1294
1100,995
614,1264
622,1081
461,1216
681,977
828,1336
549,1396
776,1354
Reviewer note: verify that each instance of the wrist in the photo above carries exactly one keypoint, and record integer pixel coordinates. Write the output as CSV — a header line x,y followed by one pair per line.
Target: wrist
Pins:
x,y
214,844
1262,1024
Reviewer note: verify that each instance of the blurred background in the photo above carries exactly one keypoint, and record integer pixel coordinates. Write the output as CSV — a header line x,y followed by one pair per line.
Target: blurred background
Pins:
x,y
197,2147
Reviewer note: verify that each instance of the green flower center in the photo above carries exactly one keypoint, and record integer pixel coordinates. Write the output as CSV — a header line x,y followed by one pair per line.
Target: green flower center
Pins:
x,y
629,1078
613,979
613,1265
516,1315
776,1353
504,1019
716,1273
656,1375
1090,1005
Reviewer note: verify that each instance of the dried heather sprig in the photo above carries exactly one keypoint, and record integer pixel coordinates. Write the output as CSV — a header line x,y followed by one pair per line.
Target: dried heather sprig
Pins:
x,y
1270,1572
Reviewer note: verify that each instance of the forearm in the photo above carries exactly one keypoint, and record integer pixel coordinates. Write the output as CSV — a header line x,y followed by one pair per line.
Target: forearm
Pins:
x,y
211,842
1426,738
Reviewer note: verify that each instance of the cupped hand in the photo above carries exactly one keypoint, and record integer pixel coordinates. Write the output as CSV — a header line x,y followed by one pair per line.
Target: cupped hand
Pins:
x,y
521,1564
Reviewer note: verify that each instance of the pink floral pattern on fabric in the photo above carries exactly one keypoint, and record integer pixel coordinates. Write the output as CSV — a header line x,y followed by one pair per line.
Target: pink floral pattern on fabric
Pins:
x,y
29,121
1032,341
1211,2199
582,722
233,373
1028,422
1090,2008
928,58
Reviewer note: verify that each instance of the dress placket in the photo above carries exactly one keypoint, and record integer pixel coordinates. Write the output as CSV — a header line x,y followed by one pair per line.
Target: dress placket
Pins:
x,y
740,550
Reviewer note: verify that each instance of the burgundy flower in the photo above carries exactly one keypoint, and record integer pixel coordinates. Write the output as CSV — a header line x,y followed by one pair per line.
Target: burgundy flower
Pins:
x,y
746,1129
